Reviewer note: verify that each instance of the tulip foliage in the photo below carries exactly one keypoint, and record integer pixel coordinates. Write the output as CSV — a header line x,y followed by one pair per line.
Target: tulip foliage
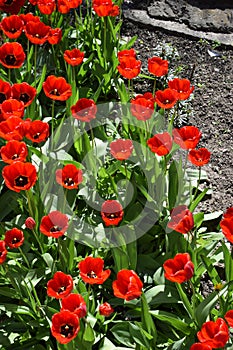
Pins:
x,y
103,244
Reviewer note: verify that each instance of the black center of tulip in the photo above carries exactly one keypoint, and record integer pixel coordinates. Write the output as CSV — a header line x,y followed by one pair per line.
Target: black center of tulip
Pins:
x,y
14,156
36,136
91,274
2,97
21,181
61,289
10,60
55,92
55,228
69,181
24,98
67,330
15,240
9,2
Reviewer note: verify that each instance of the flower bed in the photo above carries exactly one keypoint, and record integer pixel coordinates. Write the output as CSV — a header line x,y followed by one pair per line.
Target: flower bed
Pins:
x,y
102,243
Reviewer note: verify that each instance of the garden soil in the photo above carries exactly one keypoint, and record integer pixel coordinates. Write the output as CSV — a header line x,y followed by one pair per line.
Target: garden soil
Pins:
x,y
210,67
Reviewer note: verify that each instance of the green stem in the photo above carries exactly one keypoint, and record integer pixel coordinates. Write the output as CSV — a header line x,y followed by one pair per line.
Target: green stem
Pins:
x,y
126,173
52,127
154,87
129,92
198,183
105,42
185,301
32,213
24,258
35,63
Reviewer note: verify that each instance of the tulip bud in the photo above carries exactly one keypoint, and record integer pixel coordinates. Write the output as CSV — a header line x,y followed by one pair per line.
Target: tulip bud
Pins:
x,y
30,223
105,309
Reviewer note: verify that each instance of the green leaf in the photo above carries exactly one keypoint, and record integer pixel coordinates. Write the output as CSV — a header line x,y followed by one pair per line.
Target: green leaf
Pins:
x,y
8,203
212,272
121,332
173,185
204,308
42,79
138,335
228,262
172,320
198,200
158,295
147,322
89,335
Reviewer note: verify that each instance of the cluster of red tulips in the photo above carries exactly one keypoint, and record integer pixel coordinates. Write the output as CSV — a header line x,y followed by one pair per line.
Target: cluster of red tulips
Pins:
x,y
64,65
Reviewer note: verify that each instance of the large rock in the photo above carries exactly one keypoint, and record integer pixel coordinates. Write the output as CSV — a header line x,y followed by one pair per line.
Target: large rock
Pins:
x,y
205,15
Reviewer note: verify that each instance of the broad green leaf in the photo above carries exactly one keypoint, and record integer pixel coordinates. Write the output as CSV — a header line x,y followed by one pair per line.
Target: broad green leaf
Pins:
x,y
121,332
172,320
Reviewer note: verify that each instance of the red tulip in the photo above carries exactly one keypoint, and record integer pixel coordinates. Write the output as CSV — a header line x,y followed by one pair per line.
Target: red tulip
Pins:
x,y
19,176
5,91
105,8
142,106
121,149
12,55
129,67
37,32
182,88
128,285
55,36
46,7
229,318
12,108
165,99
36,130
112,212
215,334
57,88
179,269
187,137
91,270
73,57
181,219
29,17
199,157
12,26
126,54
74,303
23,92
157,66
64,6
65,326
105,309
14,238
226,224
84,109
12,6
14,151
60,286
54,224
161,144
69,177
3,252
11,129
